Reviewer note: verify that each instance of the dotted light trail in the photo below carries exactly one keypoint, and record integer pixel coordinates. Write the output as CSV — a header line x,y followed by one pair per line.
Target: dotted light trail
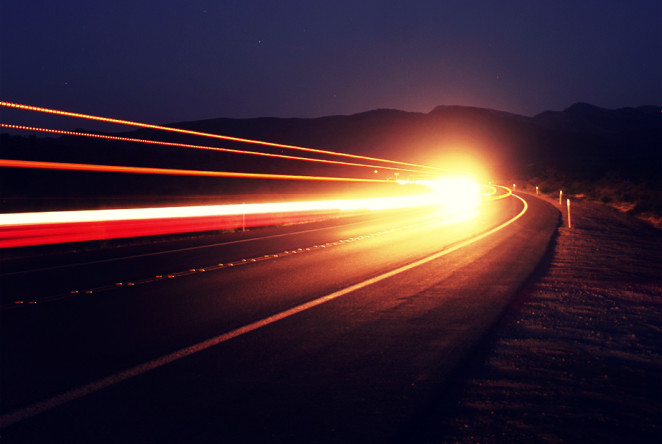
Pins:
x,y
198,133
9,163
200,147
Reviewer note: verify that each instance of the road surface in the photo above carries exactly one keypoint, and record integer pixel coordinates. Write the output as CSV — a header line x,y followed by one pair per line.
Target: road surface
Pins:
x,y
329,333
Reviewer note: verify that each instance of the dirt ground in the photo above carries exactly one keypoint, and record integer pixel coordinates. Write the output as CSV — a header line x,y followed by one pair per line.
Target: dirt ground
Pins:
x,y
579,358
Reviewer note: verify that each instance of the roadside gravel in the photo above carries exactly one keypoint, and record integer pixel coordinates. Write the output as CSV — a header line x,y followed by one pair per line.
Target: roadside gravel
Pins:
x,y
579,359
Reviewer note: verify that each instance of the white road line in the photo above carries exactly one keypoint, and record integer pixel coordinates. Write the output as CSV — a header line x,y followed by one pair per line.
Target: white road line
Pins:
x,y
73,293
71,395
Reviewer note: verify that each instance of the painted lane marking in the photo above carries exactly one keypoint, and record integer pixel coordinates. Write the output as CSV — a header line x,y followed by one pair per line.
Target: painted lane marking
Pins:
x,y
172,275
93,387
178,250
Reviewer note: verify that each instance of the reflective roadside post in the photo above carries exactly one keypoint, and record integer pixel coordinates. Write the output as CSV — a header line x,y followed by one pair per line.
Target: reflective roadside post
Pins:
x,y
569,223
537,193
561,197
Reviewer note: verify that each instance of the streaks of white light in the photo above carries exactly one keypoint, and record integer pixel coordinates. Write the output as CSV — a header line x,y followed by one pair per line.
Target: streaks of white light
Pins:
x,y
378,203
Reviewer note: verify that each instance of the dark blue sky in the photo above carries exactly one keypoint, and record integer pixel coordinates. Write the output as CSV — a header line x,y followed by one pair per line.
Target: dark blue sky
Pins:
x,y
165,61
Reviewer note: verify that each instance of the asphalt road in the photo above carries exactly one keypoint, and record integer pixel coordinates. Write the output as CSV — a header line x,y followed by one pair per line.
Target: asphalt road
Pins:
x,y
178,354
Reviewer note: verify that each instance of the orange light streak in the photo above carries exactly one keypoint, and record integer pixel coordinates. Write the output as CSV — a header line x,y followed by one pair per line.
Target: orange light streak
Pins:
x,y
198,133
200,147
172,172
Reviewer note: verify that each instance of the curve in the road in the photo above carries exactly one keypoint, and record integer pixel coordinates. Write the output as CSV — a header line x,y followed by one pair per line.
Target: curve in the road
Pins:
x,y
68,396
216,266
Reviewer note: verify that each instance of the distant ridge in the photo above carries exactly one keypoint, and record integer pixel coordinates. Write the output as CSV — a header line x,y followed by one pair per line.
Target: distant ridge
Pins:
x,y
450,108
590,118
579,136
582,142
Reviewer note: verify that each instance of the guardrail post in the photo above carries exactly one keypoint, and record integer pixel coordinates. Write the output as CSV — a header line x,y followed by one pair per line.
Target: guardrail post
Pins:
x,y
569,223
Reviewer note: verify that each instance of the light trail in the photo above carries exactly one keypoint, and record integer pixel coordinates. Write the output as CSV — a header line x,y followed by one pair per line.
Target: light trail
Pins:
x,y
202,134
456,195
376,203
34,164
67,232
201,147
47,404
41,228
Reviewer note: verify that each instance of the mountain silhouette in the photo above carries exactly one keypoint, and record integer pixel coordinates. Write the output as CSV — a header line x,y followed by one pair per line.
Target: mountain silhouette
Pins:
x,y
581,141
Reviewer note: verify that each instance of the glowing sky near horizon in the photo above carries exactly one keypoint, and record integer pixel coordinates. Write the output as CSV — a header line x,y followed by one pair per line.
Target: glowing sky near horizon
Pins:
x,y
204,59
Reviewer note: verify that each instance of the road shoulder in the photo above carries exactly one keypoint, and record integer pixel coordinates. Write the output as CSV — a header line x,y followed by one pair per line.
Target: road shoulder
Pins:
x,y
579,360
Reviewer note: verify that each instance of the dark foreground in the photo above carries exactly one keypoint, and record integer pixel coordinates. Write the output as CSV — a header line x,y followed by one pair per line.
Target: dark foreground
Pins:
x,y
577,358
580,360
155,361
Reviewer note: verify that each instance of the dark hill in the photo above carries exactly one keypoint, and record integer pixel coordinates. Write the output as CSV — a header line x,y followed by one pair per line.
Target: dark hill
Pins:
x,y
583,117
583,141
581,138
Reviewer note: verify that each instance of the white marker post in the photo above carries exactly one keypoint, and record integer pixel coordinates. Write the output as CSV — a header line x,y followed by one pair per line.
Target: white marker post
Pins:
x,y
569,223
537,193
561,197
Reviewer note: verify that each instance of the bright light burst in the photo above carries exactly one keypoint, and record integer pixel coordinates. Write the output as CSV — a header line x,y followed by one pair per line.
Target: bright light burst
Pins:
x,y
454,193
457,197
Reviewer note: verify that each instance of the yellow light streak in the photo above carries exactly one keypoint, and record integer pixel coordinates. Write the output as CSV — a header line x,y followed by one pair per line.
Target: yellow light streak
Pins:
x,y
198,133
508,192
172,172
200,147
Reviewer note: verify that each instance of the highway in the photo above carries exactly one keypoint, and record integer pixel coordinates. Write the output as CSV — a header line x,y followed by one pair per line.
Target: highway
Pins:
x,y
339,331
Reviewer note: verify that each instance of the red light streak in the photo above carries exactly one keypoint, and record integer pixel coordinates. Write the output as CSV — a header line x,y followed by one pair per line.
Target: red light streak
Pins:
x,y
9,163
56,233
201,147
41,228
198,133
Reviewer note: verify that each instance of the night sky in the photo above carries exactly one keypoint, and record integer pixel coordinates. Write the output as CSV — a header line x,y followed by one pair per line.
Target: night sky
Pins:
x,y
167,61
